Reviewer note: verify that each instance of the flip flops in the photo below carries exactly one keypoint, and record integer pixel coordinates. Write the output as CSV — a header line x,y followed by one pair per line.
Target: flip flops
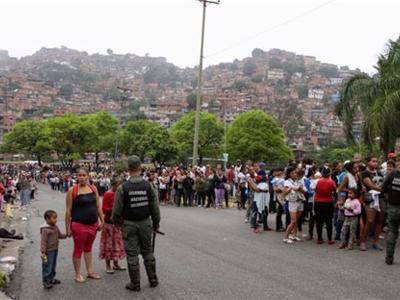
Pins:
x,y
93,276
119,268
80,279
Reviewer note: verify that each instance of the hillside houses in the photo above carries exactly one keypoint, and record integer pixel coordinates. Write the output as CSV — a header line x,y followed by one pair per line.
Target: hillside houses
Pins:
x,y
297,90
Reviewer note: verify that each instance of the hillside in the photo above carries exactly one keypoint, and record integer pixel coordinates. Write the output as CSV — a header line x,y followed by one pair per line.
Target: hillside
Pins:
x,y
299,91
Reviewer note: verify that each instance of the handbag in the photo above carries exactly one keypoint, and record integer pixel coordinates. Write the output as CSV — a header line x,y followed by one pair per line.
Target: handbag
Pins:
x,y
368,198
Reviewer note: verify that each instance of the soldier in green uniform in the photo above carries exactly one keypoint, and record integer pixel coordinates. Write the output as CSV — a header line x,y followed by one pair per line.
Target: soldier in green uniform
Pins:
x,y
135,202
391,185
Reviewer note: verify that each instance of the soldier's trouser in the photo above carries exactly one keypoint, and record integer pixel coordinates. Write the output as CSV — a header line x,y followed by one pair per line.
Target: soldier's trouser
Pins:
x,y
393,233
137,240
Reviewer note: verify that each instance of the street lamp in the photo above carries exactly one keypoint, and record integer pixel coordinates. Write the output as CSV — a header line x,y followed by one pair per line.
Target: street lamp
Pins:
x,y
200,83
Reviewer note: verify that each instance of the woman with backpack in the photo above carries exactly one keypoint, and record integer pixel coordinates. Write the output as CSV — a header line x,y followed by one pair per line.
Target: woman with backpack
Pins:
x,y
83,218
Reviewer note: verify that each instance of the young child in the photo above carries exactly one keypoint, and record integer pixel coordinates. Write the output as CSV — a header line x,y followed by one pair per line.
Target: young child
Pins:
x,y
352,209
49,248
259,206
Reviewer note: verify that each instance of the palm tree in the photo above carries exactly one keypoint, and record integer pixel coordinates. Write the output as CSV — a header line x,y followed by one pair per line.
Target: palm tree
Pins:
x,y
377,99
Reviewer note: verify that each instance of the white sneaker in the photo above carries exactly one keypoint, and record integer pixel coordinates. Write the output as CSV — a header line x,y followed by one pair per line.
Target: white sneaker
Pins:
x,y
246,220
288,241
297,239
199,205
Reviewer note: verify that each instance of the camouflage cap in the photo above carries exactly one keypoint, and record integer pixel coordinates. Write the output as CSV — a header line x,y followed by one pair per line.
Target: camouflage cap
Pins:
x,y
134,162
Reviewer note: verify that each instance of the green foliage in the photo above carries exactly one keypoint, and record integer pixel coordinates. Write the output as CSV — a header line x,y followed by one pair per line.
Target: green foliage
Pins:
x,y
258,53
113,94
257,78
66,90
30,137
274,63
329,71
160,74
293,66
239,85
302,91
71,136
147,139
342,153
191,100
3,280
249,68
377,99
103,136
256,136
210,135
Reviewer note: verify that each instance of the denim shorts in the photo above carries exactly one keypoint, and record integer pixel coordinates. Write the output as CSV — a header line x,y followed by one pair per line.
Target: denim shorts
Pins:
x,y
296,206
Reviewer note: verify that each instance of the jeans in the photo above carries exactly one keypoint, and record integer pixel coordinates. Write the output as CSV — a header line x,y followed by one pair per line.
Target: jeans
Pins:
x,y
311,218
49,268
255,214
243,198
25,197
187,197
178,196
201,198
219,197
279,224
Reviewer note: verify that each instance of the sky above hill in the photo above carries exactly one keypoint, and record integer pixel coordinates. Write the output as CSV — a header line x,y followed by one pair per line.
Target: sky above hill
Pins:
x,y
343,32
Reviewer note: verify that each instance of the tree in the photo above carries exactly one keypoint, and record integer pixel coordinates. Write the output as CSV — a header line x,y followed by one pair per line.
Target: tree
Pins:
x,y
274,63
258,53
105,130
377,99
191,100
113,94
256,136
66,90
30,137
249,68
148,139
210,135
71,137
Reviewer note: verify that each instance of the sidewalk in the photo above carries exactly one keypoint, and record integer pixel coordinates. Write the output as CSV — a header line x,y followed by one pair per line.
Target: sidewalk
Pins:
x,y
10,249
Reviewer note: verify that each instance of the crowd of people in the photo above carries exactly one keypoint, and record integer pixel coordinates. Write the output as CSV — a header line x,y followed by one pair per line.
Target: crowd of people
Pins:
x,y
353,201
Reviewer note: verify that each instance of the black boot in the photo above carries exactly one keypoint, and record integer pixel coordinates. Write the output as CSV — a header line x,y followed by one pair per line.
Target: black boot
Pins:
x,y
389,260
134,275
151,272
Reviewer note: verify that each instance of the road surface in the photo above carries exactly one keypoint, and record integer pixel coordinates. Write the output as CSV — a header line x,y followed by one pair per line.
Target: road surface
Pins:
x,y
212,254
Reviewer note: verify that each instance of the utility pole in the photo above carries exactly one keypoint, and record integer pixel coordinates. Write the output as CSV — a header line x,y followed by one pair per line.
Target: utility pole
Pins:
x,y
124,98
200,84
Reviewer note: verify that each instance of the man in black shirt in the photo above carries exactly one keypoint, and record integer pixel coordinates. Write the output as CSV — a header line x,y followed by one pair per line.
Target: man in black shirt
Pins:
x,y
391,185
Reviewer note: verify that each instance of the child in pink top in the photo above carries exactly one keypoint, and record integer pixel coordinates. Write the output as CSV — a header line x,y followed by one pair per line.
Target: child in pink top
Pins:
x,y
352,210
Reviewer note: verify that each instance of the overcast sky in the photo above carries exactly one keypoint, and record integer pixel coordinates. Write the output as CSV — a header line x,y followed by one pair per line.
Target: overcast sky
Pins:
x,y
344,32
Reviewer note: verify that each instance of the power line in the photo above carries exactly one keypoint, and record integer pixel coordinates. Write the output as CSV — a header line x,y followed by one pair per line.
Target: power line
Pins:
x,y
274,27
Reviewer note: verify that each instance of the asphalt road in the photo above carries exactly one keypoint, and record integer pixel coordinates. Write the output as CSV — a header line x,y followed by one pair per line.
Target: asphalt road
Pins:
x,y
212,254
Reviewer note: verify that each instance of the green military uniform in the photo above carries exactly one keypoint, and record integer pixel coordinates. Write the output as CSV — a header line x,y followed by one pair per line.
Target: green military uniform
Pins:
x,y
391,186
137,227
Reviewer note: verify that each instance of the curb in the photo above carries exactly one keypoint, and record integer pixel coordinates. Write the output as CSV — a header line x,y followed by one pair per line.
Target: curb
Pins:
x,y
12,249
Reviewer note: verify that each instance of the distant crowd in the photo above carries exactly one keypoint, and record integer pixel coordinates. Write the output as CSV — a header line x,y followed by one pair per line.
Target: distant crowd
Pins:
x,y
353,200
